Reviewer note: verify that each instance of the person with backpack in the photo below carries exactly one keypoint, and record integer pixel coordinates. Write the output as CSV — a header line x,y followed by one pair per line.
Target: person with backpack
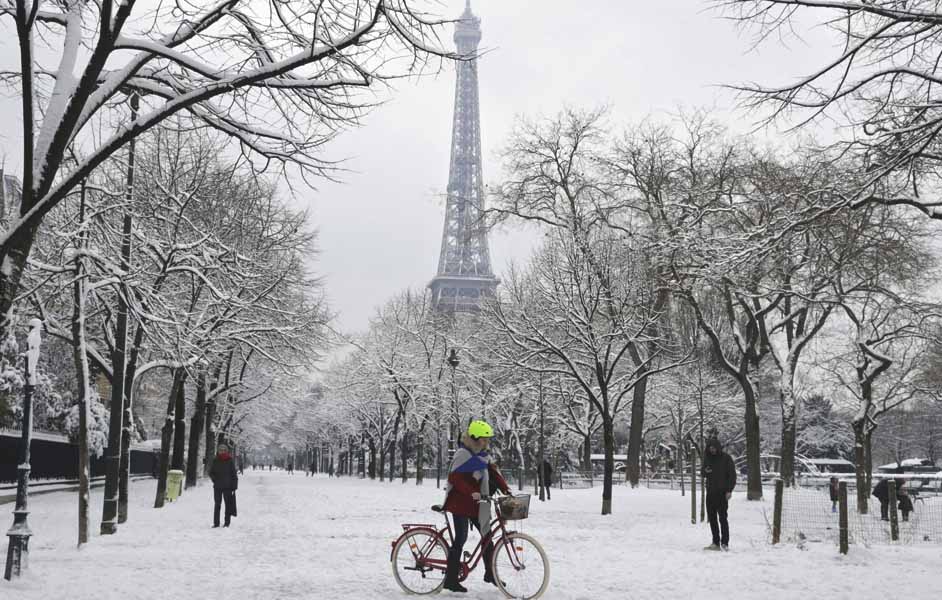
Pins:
x,y
225,483
720,474
469,479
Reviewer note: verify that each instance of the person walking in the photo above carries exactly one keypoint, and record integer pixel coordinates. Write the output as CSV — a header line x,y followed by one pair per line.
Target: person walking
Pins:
x,y
547,477
881,491
904,499
225,483
720,474
834,488
471,472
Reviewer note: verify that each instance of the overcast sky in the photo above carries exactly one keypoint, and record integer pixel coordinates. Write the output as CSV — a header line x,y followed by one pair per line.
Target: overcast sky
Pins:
x,y
380,231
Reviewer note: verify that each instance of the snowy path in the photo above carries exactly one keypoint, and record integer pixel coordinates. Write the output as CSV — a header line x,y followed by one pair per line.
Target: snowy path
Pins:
x,y
301,537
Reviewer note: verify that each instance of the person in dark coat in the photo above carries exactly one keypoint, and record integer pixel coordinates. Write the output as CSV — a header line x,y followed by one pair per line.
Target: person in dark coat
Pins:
x,y
881,491
720,474
834,488
547,477
225,483
904,499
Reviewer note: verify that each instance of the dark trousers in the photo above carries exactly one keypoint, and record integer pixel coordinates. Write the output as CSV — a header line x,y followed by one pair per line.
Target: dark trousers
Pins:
x,y
884,509
717,506
218,497
457,546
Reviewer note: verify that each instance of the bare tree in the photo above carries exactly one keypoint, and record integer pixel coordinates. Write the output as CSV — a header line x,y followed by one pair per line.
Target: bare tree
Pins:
x,y
576,317
879,81
278,78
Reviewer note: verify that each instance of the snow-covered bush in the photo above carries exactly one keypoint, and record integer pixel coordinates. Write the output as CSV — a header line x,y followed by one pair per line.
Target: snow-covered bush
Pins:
x,y
98,420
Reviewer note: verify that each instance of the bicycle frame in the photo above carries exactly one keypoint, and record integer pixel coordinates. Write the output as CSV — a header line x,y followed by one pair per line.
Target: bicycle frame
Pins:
x,y
498,526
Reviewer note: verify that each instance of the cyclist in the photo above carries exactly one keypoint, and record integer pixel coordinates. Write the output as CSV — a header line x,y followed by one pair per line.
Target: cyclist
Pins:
x,y
470,473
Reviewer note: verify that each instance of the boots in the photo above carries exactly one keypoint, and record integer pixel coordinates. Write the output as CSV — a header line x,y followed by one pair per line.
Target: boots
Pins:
x,y
451,577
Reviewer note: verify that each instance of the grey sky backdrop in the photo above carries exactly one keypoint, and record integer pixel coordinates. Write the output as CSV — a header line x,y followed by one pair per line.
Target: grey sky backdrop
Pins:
x,y
380,231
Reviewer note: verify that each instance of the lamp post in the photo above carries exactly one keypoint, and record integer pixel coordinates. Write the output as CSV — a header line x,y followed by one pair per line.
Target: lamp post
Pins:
x,y
453,362
18,550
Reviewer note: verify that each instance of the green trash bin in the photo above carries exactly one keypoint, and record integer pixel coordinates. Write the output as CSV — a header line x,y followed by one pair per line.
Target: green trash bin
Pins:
x,y
174,484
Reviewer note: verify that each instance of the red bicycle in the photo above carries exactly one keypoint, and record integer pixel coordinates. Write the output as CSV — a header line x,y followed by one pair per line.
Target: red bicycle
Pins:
x,y
521,570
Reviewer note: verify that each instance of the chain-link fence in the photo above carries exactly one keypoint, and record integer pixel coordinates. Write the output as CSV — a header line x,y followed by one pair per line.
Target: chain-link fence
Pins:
x,y
910,515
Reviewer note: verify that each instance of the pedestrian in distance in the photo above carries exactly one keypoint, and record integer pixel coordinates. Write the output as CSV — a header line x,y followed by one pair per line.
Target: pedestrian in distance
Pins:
x,y
834,488
470,474
905,500
225,483
330,469
881,491
720,474
547,477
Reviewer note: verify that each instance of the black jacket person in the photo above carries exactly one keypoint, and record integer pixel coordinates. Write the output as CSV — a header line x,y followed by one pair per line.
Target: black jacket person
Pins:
x,y
720,474
225,483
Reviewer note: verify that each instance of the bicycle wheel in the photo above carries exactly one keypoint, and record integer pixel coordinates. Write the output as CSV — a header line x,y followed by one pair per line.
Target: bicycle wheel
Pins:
x,y
419,561
521,568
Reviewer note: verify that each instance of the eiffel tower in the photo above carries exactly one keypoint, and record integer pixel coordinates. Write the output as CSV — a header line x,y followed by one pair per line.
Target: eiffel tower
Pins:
x,y
464,275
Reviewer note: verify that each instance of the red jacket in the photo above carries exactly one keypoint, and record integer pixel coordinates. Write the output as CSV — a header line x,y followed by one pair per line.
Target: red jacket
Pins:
x,y
459,500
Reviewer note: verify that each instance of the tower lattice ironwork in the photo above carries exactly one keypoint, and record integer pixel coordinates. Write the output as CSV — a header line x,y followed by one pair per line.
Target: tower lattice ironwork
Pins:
x,y
464,275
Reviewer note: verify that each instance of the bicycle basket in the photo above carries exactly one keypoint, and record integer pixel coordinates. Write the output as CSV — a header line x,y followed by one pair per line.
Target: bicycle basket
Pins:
x,y
514,508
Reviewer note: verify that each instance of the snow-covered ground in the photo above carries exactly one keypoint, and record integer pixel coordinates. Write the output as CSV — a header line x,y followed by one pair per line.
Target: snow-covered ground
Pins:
x,y
301,537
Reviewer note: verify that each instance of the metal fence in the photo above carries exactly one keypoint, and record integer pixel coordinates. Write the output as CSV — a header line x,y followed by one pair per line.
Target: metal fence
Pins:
x,y
809,515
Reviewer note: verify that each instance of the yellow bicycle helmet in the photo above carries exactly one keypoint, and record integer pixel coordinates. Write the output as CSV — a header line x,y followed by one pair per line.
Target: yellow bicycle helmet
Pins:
x,y
480,429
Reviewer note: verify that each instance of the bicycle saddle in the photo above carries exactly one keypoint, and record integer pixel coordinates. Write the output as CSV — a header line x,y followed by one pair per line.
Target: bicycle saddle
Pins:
x,y
438,508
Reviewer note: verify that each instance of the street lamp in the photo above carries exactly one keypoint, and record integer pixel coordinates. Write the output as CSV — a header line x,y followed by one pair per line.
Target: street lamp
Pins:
x,y
19,534
453,362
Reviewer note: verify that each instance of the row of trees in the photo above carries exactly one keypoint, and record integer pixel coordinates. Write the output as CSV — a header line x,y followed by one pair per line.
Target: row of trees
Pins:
x,y
216,302
685,275
142,232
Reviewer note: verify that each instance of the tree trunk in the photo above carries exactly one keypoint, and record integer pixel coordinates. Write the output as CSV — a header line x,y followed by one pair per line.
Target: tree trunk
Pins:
x,y
420,455
587,453
166,439
196,430
789,432
179,430
608,439
392,447
404,452
372,465
83,380
209,436
124,460
542,448
109,517
754,479
15,254
636,432
860,467
382,461
124,465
